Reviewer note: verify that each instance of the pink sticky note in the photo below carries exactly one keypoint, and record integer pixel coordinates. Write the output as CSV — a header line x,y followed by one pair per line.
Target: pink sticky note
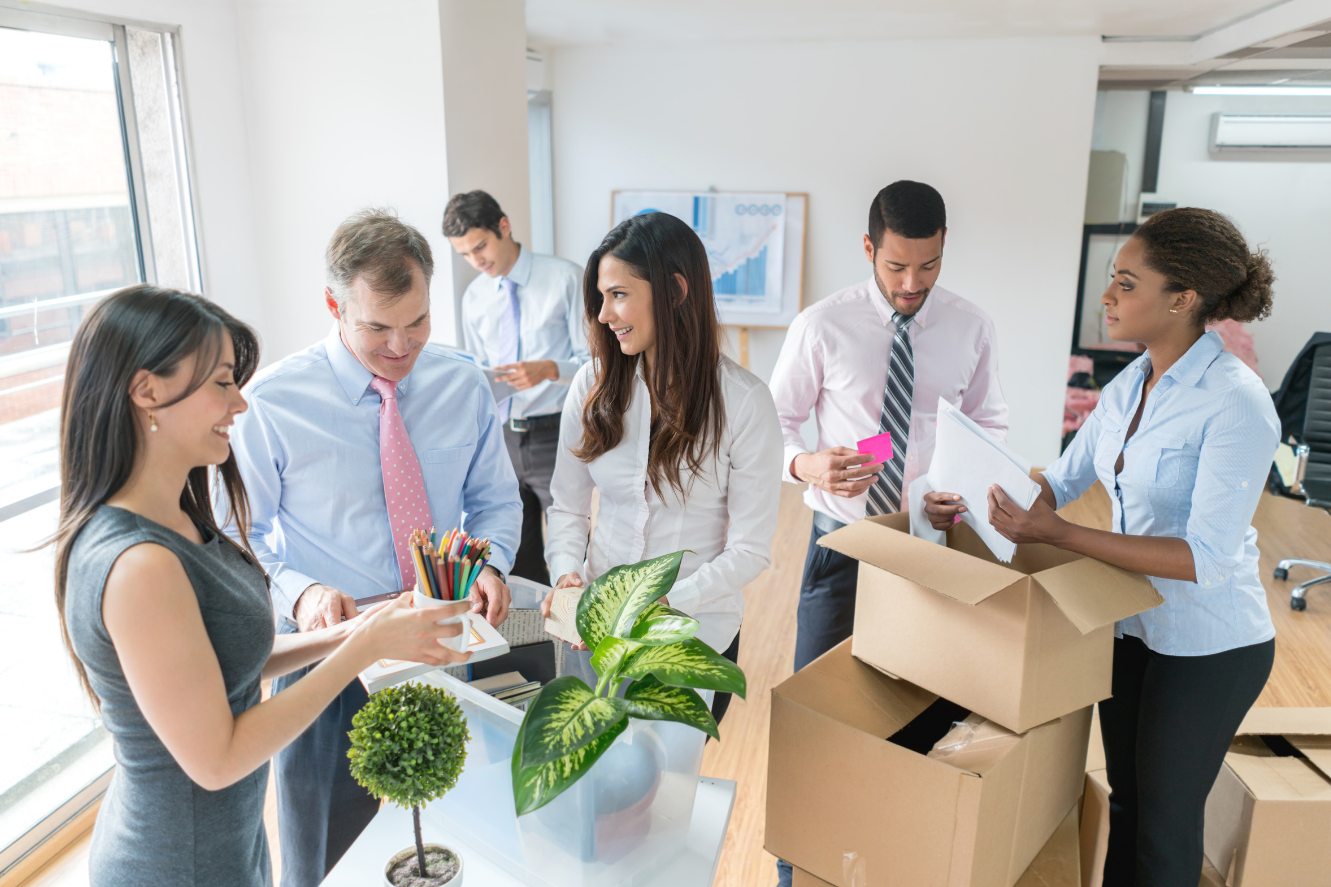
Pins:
x,y
879,446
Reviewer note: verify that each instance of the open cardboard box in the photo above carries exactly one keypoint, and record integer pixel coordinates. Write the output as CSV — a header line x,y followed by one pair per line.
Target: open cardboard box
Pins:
x,y
1020,643
848,772
1054,866
1268,818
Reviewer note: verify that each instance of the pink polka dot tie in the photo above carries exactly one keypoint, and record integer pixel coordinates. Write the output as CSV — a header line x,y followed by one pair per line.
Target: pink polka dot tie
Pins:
x,y
404,486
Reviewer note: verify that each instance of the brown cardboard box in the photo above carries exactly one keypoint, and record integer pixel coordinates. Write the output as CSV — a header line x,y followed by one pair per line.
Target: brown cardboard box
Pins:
x,y
1094,828
1056,865
834,785
1020,643
1268,818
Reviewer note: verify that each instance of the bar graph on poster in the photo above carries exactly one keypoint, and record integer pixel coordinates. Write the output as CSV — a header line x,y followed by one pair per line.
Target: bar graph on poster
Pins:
x,y
746,238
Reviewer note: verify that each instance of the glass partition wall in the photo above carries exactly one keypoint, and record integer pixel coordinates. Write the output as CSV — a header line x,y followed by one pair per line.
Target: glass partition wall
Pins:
x,y
94,195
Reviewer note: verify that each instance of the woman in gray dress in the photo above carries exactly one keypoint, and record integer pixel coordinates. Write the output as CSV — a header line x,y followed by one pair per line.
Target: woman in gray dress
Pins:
x,y
168,620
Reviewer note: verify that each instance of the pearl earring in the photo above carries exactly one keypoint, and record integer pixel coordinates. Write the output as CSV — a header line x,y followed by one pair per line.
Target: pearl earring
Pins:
x,y
152,417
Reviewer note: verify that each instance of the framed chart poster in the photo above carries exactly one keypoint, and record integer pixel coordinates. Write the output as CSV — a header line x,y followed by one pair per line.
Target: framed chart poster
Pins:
x,y
755,246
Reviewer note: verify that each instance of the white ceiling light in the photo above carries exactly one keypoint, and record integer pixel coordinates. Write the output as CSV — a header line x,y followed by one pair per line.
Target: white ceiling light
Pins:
x,y
1261,90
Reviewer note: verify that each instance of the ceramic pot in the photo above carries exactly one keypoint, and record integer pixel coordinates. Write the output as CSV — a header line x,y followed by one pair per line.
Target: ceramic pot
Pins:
x,y
455,881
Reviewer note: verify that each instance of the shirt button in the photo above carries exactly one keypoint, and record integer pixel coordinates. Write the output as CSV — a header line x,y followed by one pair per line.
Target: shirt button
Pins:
x,y
910,458
1244,485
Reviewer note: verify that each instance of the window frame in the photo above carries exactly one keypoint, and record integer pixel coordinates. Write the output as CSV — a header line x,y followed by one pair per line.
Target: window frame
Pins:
x,y
69,821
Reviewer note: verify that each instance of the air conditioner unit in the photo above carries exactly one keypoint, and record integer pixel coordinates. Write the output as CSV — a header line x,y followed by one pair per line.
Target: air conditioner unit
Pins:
x,y
1271,137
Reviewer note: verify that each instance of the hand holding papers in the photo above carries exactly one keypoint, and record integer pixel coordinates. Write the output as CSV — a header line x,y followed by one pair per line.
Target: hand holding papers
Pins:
x,y
502,391
967,461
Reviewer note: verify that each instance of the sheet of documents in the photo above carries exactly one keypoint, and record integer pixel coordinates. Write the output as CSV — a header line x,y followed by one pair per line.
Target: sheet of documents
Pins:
x,y
967,461
501,390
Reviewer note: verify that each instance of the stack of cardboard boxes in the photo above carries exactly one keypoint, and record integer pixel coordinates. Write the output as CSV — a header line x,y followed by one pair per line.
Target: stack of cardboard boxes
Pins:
x,y
870,784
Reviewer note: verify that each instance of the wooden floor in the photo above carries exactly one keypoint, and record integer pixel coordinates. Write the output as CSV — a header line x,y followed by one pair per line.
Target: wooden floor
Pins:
x,y
1302,675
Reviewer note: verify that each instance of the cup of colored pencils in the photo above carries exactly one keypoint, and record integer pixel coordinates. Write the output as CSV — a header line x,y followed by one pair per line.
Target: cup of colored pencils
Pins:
x,y
446,570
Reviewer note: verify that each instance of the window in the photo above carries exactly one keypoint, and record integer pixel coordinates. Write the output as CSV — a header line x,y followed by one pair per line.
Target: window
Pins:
x,y
94,196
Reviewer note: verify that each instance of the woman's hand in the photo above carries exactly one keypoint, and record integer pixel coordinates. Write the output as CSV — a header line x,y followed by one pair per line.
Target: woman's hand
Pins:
x,y
568,580
943,509
1040,524
397,630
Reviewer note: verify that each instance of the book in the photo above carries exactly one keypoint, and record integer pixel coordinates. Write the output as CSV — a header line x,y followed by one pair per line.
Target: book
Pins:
x,y
486,643
499,682
519,691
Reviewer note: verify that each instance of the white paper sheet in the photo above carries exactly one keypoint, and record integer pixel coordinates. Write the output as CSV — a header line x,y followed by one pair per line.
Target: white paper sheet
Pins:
x,y
501,390
920,527
967,461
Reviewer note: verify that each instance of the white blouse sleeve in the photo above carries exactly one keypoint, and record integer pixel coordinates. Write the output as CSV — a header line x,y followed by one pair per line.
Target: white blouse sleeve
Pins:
x,y
753,500
569,519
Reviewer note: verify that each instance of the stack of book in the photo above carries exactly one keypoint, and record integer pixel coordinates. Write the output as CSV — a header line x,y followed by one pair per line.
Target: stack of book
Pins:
x,y
510,687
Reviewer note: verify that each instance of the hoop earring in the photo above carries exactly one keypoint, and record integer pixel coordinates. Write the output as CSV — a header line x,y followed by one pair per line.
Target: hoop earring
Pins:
x,y
152,417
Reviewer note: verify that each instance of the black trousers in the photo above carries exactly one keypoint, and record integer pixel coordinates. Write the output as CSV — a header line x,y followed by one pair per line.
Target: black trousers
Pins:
x,y
721,701
1166,731
533,454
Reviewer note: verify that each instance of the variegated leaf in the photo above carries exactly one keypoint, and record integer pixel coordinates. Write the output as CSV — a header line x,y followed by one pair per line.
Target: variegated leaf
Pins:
x,y
690,663
536,786
610,654
610,605
652,700
564,717
659,624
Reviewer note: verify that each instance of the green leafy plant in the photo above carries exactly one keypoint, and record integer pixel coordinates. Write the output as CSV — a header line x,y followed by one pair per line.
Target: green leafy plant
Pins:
x,y
632,637
408,746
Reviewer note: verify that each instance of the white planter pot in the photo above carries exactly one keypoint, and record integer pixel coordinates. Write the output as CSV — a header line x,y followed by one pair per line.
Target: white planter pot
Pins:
x,y
455,881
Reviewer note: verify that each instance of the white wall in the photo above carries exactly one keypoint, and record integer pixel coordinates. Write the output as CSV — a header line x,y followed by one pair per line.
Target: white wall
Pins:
x,y
1001,127
344,110
1282,206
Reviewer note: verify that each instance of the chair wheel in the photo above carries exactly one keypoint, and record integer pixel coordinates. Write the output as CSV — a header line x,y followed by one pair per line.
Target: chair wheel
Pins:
x,y
1280,574
1298,603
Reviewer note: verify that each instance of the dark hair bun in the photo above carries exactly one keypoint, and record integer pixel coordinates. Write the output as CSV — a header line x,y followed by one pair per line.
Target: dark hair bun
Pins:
x,y
1252,299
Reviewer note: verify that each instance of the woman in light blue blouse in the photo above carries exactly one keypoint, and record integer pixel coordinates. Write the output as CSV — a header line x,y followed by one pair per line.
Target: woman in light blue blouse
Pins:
x,y
1182,439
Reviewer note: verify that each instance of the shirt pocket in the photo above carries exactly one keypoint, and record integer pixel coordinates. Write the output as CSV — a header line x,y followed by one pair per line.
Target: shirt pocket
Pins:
x,y
1160,461
445,455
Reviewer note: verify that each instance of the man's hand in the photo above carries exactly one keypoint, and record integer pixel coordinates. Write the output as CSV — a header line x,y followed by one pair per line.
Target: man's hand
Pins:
x,y
1040,524
840,471
943,509
490,596
321,606
528,373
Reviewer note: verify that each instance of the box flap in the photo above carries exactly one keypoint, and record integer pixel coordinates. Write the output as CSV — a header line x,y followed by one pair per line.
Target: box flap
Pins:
x,y
1093,594
885,542
1317,749
1286,722
1280,779
841,687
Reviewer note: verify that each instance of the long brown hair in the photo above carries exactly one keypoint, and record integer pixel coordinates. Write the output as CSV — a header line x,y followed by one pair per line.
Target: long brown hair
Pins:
x,y
684,384
149,328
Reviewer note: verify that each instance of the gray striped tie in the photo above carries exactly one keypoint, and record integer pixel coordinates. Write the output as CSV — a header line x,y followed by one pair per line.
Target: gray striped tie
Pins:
x,y
885,494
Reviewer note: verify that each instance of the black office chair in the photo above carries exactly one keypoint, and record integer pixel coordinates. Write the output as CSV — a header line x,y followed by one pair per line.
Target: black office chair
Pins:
x,y
1309,380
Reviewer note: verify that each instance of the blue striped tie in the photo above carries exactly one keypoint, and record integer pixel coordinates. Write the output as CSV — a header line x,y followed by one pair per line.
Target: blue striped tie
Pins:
x,y
510,336
885,494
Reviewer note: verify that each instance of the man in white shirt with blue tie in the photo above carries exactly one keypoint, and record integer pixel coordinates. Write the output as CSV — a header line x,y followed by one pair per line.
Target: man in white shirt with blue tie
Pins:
x,y
523,313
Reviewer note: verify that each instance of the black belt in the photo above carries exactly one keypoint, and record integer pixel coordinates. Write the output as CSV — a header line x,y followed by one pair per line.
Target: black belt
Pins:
x,y
550,421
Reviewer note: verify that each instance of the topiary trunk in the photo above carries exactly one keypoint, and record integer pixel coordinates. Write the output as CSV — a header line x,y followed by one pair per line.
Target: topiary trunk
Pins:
x,y
420,845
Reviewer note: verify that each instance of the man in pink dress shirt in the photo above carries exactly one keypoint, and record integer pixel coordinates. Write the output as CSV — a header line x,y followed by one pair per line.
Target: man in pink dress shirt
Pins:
x,y
835,363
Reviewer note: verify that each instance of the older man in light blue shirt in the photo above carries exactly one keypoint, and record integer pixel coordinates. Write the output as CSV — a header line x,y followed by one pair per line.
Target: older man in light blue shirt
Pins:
x,y
524,314
309,450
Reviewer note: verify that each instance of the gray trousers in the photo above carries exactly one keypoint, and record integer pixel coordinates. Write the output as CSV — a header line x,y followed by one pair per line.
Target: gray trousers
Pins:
x,y
533,454
321,810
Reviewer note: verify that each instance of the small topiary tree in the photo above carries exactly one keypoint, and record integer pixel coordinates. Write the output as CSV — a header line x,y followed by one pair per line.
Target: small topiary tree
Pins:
x,y
408,746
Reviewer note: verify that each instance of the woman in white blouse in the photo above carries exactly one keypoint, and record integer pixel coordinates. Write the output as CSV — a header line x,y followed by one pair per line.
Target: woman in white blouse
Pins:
x,y
682,443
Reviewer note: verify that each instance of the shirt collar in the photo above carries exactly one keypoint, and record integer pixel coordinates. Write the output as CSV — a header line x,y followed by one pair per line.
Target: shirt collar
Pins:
x,y
351,373
885,310
1188,369
520,273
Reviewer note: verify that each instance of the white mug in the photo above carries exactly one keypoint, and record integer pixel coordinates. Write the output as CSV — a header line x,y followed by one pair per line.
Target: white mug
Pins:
x,y
459,643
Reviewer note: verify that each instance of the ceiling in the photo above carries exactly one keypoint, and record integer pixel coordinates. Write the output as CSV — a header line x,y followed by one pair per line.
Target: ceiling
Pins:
x,y
1298,58
564,22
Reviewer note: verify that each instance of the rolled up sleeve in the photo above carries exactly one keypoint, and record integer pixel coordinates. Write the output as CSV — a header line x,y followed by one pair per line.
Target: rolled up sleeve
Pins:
x,y
1237,448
